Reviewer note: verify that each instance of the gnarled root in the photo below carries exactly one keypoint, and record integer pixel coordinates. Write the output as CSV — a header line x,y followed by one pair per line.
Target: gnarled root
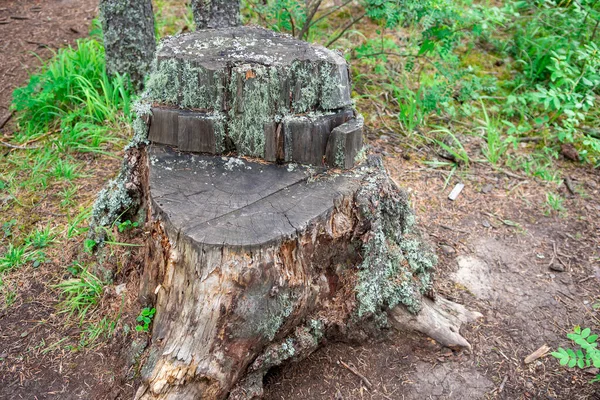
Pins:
x,y
440,320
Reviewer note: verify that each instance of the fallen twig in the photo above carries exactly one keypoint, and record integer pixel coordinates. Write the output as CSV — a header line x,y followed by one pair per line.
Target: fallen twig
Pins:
x,y
14,146
501,388
539,353
355,372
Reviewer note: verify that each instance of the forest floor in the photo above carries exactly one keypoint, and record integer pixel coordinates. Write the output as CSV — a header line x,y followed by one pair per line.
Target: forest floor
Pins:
x,y
532,272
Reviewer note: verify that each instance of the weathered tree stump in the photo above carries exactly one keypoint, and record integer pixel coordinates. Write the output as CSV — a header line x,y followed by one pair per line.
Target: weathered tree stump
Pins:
x,y
129,41
252,263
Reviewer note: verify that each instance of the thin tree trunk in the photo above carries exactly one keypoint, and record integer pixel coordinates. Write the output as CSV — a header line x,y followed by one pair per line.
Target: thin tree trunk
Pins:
x,y
129,39
212,14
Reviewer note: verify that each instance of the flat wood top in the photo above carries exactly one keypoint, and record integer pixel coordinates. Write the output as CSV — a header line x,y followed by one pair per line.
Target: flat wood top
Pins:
x,y
228,201
216,48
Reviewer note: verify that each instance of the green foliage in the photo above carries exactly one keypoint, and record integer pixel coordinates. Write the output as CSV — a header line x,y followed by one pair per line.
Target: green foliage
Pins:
x,y
127,225
145,319
71,92
554,202
585,355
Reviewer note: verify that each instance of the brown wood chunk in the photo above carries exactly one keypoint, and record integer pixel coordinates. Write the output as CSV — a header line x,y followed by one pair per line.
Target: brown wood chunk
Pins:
x,y
164,126
306,137
344,144
196,133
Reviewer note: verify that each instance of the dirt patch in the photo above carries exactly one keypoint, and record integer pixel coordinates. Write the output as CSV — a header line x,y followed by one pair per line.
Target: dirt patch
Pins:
x,y
33,30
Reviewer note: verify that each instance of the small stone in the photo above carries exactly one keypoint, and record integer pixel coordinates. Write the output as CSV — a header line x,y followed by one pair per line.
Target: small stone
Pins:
x,y
592,371
384,138
448,250
486,223
487,188
557,267
119,289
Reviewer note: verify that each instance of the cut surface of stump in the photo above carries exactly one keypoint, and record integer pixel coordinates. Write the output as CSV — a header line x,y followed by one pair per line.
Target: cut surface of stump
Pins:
x,y
254,92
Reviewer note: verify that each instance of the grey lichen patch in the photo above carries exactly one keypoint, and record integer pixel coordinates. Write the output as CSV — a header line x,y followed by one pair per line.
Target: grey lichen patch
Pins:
x,y
129,41
114,201
397,265
307,86
122,196
164,82
279,309
334,92
254,92
200,87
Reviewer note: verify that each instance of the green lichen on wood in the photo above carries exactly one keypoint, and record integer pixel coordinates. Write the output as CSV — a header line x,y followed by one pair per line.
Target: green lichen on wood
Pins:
x,y
397,265
200,88
332,89
163,85
307,86
129,40
254,93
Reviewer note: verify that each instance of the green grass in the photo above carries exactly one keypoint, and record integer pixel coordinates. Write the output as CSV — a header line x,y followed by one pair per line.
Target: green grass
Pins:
x,y
80,294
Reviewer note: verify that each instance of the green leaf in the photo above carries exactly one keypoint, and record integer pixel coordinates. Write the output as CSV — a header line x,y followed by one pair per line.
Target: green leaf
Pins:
x,y
147,320
586,332
580,359
592,338
140,318
139,328
577,329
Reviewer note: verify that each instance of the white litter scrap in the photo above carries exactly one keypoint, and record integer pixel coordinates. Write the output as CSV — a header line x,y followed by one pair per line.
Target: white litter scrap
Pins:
x,y
456,191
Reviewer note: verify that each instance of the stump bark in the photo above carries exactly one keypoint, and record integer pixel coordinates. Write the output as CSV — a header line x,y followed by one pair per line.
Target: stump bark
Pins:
x,y
129,41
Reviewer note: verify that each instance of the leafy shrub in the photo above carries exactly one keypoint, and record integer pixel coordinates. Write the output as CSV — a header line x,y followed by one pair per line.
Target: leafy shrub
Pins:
x,y
587,353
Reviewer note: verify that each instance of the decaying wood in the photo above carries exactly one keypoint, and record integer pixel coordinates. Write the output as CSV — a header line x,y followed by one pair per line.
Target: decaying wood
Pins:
x,y
539,353
440,320
251,265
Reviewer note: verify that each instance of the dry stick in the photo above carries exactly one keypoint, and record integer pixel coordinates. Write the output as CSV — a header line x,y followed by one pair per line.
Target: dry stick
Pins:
x,y
355,372
348,25
501,388
334,9
307,23
14,146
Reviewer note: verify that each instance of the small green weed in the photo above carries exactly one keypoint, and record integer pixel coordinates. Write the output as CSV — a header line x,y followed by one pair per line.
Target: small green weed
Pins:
x,y
40,238
587,353
127,225
80,294
14,257
554,203
145,318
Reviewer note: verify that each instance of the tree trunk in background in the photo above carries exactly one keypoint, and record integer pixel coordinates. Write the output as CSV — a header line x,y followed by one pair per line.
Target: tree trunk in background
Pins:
x,y
129,39
211,14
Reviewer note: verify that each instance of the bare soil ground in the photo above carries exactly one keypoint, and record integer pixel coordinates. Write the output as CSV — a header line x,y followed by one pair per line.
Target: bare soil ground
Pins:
x,y
499,251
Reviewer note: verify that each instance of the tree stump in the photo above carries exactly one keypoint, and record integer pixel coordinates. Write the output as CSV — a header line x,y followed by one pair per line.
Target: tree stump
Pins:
x,y
129,41
252,262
